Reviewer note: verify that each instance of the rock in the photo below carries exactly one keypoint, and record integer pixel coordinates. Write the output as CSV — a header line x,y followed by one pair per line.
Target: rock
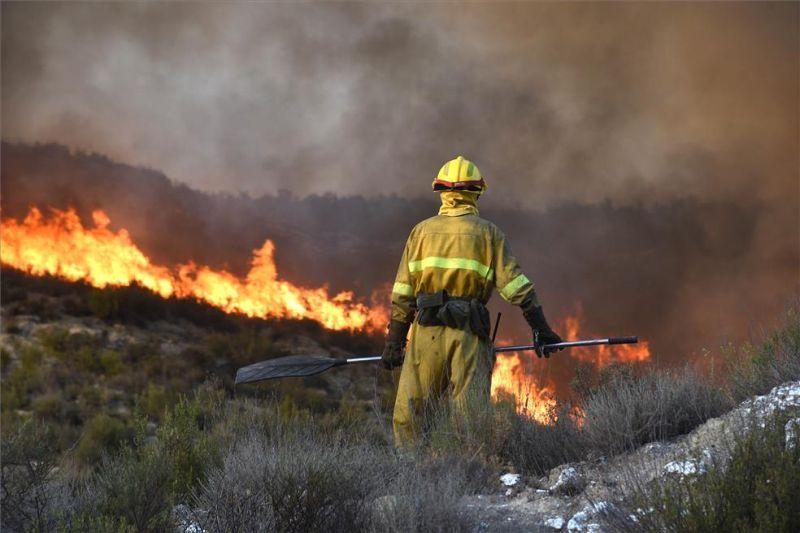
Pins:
x,y
792,433
569,482
690,467
509,480
586,519
185,519
556,523
778,399
581,522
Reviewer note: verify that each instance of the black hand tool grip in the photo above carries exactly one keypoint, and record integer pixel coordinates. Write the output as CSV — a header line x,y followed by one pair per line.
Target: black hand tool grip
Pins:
x,y
623,340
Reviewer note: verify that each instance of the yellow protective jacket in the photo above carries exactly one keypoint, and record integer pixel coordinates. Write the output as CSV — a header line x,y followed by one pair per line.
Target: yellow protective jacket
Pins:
x,y
459,252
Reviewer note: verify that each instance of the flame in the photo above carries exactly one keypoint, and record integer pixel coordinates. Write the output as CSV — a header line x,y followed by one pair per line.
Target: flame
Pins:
x,y
509,378
514,373
604,354
61,246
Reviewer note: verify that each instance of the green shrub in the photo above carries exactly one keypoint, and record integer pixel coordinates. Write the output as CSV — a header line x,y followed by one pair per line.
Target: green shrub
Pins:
x,y
54,340
757,369
87,521
102,434
49,406
755,490
110,362
153,402
5,359
132,488
184,442
28,458
288,410
23,380
103,303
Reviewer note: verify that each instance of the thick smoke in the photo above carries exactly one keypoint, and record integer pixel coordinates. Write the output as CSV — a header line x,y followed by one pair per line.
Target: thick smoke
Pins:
x,y
643,158
576,103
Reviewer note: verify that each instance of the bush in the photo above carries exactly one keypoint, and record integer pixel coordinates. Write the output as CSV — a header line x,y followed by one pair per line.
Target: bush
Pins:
x,y
132,488
101,434
755,490
474,426
292,480
103,303
110,362
183,441
153,402
630,411
28,459
23,379
535,448
425,495
757,369
49,406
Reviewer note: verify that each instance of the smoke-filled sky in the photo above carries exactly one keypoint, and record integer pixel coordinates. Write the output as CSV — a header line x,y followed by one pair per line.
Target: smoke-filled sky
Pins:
x,y
644,159
584,103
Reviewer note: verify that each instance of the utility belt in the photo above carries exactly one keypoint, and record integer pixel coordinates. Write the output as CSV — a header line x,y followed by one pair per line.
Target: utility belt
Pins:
x,y
439,309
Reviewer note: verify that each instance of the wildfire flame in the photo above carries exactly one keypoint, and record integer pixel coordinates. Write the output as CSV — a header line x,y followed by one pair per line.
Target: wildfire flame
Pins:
x,y
535,396
509,378
61,246
604,354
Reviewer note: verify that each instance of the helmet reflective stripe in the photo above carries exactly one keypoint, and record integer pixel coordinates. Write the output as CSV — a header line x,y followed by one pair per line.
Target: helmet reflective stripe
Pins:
x,y
459,174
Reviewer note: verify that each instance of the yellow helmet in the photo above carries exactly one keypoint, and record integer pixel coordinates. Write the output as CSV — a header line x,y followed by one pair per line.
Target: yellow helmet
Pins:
x,y
459,174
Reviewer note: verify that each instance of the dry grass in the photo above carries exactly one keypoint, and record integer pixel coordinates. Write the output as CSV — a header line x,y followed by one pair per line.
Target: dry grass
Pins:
x,y
776,360
630,411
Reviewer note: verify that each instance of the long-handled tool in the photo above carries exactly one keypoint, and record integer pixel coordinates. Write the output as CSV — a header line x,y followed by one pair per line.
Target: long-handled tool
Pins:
x,y
308,365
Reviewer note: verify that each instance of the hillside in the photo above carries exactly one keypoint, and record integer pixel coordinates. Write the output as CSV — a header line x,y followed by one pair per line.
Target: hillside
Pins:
x,y
76,357
118,413
684,274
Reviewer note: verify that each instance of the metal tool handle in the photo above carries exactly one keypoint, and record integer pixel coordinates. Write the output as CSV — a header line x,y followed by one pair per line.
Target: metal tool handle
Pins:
x,y
569,344
368,359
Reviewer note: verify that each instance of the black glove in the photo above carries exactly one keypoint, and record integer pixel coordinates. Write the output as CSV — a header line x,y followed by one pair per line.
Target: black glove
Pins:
x,y
395,345
542,334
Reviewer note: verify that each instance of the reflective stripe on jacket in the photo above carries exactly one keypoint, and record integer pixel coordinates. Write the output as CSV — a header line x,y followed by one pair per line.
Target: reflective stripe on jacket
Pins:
x,y
461,253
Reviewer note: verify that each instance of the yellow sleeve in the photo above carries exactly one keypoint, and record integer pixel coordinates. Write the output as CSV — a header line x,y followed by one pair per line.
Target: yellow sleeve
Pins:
x,y
511,283
404,301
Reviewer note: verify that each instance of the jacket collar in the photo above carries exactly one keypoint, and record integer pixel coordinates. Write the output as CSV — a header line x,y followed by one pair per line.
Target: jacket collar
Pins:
x,y
458,203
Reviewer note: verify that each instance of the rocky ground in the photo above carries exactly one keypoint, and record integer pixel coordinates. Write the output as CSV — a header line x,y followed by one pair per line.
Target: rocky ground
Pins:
x,y
574,497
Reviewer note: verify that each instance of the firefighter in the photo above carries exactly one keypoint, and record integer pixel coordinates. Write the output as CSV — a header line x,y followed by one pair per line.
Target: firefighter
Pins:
x,y
450,265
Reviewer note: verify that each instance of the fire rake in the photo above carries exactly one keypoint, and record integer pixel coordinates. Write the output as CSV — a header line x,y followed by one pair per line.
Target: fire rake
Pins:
x,y
309,365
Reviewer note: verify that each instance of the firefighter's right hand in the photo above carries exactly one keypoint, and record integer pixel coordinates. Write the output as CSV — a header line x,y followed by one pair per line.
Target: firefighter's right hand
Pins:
x,y
548,336
395,347
393,354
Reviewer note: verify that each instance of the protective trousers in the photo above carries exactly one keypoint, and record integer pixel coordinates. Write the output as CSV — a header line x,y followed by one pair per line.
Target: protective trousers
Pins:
x,y
440,363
